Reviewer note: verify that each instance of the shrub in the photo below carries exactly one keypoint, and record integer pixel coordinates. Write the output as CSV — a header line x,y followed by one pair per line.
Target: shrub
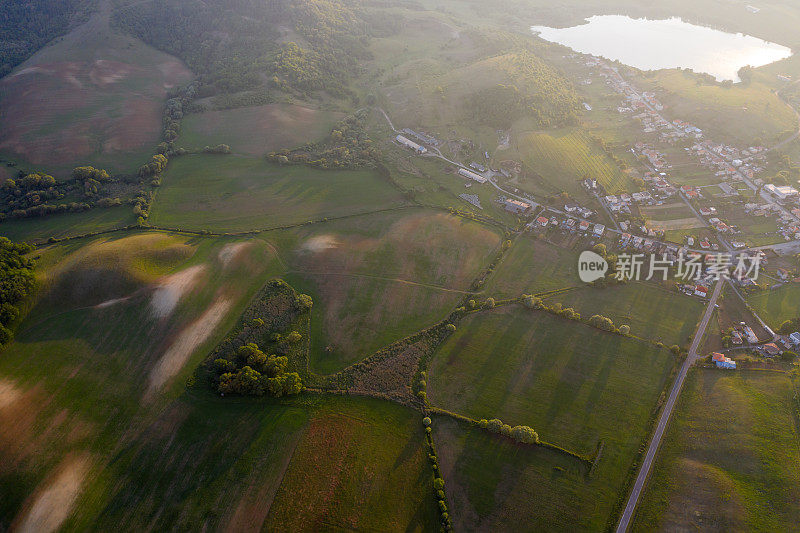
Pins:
x,y
426,421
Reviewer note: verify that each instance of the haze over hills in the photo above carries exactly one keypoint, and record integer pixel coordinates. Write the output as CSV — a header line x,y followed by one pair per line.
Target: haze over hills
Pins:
x,y
272,265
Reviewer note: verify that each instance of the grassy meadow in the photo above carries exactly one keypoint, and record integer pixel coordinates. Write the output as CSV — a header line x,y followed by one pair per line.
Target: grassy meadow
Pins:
x,y
778,305
39,229
731,457
381,277
577,387
231,193
254,131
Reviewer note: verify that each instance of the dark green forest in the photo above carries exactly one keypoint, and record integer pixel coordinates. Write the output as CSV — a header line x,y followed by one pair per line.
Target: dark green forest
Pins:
x,y
242,45
27,25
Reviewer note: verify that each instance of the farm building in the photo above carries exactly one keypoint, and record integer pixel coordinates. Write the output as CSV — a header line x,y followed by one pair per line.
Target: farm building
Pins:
x,y
471,175
723,362
408,143
780,192
750,334
516,206
795,338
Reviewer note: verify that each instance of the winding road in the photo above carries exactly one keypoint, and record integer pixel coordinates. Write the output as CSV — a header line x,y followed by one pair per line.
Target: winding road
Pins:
x,y
663,421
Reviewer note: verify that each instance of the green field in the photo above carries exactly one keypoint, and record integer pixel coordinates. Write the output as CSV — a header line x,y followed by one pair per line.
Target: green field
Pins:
x,y
39,229
533,266
574,385
777,306
566,157
378,278
232,193
731,457
257,130
652,312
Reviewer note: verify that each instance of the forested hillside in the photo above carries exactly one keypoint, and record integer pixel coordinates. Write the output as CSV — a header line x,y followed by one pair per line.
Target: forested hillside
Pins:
x,y
27,25
297,47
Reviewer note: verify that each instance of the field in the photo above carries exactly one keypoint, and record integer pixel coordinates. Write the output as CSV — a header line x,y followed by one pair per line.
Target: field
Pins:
x,y
378,278
233,193
651,311
118,325
92,98
257,130
730,461
358,466
675,216
533,266
39,229
777,306
575,385
566,157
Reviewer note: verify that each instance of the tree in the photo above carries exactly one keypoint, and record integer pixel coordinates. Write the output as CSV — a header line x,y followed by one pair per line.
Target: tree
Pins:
x,y
625,329
525,435
305,302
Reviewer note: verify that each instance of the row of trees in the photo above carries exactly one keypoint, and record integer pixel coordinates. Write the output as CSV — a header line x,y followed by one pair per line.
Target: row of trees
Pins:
x,y
522,434
438,480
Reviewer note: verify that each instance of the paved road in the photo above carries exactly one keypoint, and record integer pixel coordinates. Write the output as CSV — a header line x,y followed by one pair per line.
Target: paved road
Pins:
x,y
647,464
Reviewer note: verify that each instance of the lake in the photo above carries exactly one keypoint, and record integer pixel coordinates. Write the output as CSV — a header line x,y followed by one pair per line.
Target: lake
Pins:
x,y
668,43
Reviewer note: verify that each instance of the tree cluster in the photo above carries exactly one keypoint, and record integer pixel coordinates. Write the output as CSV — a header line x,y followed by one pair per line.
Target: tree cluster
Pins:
x,y
16,282
36,194
249,371
347,146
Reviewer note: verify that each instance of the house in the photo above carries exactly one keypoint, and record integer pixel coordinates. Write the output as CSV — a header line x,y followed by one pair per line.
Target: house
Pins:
x,y
542,221
408,143
584,225
795,338
736,338
599,229
701,291
516,206
723,362
707,211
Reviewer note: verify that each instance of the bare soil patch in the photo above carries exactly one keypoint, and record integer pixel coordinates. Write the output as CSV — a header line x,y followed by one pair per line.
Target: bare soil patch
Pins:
x,y
187,341
9,393
231,251
172,288
53,503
